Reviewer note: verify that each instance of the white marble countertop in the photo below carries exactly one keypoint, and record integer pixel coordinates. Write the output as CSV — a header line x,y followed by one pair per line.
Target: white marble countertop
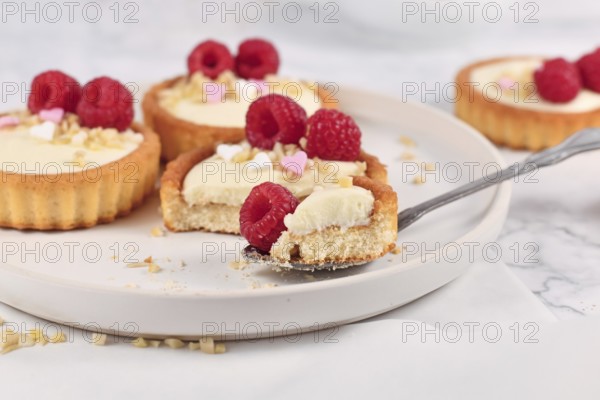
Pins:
x,y
382,46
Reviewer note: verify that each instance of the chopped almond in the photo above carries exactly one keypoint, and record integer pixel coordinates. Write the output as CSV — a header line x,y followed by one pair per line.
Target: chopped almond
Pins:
x,y
153,268
407,156
157,232
174,343
345,181
407,141
419,180
430,167
238,265
207,345
139,342
220,348
99,339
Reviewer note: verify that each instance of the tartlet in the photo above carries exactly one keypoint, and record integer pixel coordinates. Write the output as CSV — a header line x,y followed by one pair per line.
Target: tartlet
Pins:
x,y
183,131
296,183
518,117
87,175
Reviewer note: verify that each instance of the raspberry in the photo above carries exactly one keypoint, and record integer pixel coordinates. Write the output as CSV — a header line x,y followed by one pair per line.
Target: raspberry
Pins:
x,y
261,215
105,103
558,80
53,89
211,58
255,59
274,118
589,67
332,135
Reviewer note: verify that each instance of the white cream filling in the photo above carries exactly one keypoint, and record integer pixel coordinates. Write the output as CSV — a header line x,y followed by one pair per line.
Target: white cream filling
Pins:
x,y
22,152
586,100
215,180
334,206
232,112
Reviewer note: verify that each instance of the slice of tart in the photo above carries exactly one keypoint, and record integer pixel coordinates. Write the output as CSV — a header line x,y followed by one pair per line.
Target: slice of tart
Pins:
x,y
353,223
204,190
74,159
208,106
530,102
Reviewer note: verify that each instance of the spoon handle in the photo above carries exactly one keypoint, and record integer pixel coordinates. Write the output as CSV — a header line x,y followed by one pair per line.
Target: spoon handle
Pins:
x,y
582,141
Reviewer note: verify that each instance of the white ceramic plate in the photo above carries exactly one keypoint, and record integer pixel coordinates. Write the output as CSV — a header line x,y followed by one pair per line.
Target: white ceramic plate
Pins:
x,y
80,277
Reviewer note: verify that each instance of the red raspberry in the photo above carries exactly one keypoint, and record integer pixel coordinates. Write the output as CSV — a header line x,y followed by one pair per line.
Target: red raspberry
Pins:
x,y
105,103
332,135
211,58
261,215
53,89
274,118
558,80
256,58
589,67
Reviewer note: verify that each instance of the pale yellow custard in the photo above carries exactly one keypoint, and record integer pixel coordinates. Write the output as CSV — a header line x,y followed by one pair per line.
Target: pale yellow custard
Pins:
x,y
223,102
515,78
344,207
219,180
39,147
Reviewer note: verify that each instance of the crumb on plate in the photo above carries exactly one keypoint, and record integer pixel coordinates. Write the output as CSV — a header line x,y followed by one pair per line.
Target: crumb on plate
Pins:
x,y
407,141
157,231
154,268
238,265
131,286
137,265
407,156
419,180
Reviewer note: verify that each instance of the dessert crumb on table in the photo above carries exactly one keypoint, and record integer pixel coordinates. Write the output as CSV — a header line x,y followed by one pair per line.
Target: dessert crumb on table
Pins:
x,y
11,340
205,345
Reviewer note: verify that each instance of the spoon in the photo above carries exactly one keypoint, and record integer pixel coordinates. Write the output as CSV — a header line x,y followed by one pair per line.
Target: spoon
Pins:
x,y
582,141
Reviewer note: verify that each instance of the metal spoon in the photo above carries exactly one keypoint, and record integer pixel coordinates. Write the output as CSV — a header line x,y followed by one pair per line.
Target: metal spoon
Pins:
x,y
582,141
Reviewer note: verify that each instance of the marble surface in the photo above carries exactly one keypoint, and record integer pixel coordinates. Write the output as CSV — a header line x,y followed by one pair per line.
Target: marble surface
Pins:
x,y
560,214
378,46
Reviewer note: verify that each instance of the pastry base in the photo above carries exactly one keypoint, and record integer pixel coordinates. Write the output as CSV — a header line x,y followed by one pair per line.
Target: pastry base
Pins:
x,y
81,199
357,244
180,217
516,127
178,136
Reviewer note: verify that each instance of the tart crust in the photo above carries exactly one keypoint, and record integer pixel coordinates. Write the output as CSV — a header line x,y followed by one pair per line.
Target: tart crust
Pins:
x,y
515,127
84,198
357,244
180,217
178,136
